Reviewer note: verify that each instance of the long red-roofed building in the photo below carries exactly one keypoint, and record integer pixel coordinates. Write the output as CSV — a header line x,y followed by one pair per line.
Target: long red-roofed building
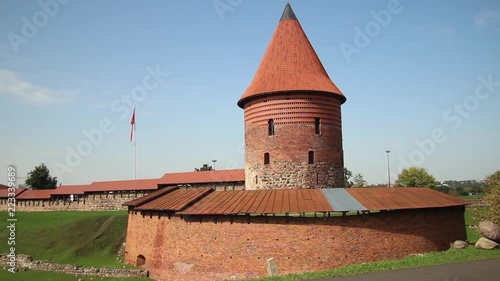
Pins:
x,y
4,193
67,190
218,179
35,194
123,185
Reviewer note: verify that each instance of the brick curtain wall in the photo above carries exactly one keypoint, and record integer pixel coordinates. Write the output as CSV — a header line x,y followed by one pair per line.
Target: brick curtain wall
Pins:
x,y
226,247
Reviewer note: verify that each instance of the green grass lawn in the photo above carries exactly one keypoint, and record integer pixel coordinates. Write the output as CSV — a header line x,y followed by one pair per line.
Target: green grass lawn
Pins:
x,y
84,238
472,197
470,223
52,276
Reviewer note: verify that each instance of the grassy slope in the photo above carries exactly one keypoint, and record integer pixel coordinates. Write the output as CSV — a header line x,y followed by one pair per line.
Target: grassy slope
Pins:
x,y
85,238
472,234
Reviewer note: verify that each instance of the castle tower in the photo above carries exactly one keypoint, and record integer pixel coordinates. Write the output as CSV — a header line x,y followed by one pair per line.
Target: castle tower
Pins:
x,y
293,132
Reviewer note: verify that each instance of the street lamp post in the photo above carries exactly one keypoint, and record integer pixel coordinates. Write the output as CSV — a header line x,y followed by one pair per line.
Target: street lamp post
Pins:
x,y
214,163
388,167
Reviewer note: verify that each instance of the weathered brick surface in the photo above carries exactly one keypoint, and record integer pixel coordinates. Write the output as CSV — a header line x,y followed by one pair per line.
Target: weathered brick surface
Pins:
x,y
294,136
225,247
26,262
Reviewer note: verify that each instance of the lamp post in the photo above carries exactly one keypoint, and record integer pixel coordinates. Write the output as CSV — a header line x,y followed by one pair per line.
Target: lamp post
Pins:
x,y
214,163
388,167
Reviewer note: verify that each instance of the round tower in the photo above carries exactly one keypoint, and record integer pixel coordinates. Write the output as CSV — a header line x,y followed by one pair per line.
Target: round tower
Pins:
x,y
293,132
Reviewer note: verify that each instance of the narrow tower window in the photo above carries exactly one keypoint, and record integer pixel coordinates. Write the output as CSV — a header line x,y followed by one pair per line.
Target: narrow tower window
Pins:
x,y
311,157
316,125
270,127
266,158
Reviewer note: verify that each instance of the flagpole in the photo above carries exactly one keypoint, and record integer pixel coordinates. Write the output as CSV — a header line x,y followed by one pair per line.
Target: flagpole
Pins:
x,y
135,150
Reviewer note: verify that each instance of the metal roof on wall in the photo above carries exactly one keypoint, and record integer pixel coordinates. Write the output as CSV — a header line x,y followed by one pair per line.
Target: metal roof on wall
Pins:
x,y
70,189
35,194
205,201
342,201
4,193
150,196
175,200
393,198
276,201
123,185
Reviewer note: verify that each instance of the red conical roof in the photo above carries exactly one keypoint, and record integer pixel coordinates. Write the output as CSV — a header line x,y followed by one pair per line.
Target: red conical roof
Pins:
x,y
290,64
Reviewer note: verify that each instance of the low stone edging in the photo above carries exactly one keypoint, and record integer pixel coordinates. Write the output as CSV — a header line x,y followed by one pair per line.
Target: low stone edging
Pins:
x,y
27,262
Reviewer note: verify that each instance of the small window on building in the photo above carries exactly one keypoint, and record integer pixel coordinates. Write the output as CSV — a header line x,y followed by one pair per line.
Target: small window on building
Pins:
x,y
256,179
266,158
311,157
316,125
270,127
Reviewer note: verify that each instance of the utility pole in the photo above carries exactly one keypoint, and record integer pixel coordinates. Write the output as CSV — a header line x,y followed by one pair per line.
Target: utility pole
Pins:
x,y
388,167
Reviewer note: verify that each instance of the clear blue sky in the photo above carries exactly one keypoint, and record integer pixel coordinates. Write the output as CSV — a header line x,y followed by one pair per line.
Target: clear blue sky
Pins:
x,y
415,78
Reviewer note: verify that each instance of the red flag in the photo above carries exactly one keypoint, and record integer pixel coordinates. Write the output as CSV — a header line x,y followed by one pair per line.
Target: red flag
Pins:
x,y
132,123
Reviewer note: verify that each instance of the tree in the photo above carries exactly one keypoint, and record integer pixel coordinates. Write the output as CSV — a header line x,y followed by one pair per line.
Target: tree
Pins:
x,y
442,188
347,178
359,181
205,167
415,177
491,180
39,178
491,199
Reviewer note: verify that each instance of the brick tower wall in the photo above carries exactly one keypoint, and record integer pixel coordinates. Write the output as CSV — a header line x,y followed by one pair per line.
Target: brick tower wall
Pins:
x,y
294,121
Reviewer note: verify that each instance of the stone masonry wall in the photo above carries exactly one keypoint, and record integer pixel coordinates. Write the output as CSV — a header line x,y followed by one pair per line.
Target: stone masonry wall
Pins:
x,y
89,202
26,262
296,175
235,247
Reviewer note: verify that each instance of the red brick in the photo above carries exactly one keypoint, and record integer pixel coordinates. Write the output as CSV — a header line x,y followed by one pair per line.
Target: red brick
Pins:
x,y
222,247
